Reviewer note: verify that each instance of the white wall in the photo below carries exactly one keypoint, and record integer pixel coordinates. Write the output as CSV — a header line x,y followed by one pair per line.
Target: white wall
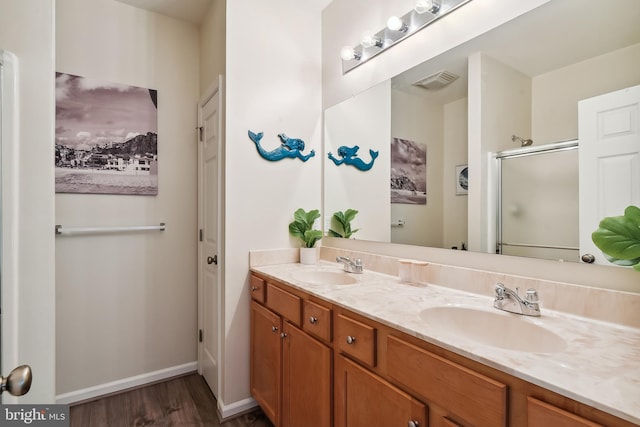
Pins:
x,y
35,252
273,86
365,121
126,303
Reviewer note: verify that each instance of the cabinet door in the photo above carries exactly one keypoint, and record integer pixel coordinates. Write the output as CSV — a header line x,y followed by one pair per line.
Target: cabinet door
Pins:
x,y
266,356
362,399
306,370
541,414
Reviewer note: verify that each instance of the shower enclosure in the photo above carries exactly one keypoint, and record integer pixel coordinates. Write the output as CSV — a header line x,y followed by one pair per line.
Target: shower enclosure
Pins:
x,y
537,201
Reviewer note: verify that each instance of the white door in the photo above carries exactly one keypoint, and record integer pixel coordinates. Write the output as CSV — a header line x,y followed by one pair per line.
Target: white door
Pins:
x,y
19,378
210,121
609,161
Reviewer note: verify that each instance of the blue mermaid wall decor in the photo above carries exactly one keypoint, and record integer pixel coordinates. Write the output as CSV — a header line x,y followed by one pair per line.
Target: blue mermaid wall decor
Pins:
x,y
289,148
349,157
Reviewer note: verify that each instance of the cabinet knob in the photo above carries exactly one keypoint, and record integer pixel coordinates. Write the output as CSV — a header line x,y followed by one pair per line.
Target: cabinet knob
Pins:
x,y
274,329
414,423
350,339
283,335
254,288
313,320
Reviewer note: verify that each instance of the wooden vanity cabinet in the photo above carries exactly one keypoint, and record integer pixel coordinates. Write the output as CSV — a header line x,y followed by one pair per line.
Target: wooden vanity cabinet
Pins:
x,y
315,364
291,372
266,356
471,396
541,414
363,399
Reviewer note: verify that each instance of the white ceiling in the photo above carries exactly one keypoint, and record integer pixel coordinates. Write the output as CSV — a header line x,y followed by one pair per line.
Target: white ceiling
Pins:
x,y
187,10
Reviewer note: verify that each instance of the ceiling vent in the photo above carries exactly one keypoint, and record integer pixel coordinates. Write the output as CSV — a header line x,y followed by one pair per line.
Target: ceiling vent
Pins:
x,y
437,81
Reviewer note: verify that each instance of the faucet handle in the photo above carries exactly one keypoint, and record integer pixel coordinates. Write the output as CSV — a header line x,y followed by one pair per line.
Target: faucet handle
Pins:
x,y
358,262
531,295
499,290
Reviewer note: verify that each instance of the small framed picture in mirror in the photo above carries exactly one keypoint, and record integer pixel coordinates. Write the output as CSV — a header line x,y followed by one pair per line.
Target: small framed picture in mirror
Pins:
x,y
462,180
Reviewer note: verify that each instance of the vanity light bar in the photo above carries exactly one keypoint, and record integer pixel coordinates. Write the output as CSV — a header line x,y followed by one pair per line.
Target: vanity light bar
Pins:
x,y
398,29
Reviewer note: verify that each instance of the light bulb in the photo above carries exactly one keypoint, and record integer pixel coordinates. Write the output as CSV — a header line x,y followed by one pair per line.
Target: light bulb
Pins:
x,y
423,6
395,24
369,40
347,53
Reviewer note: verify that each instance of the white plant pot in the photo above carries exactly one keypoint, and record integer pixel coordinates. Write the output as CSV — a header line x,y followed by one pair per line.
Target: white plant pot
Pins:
x,y
308,256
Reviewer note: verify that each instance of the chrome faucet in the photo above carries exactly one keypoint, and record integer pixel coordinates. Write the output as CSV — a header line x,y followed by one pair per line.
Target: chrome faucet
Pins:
x,y
509,300
350,266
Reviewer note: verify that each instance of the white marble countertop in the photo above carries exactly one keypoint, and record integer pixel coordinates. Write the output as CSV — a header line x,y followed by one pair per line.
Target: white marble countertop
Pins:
x,y
600,365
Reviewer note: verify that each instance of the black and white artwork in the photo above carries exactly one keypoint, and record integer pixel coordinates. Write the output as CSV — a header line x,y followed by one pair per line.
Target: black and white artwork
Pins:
x,y
408,172
106,137
462,180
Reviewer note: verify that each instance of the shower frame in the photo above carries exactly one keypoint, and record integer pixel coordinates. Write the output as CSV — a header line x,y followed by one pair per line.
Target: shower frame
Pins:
x,y
498,157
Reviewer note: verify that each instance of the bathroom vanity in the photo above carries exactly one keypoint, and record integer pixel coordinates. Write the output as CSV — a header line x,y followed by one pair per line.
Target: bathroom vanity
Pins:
x,y
330,348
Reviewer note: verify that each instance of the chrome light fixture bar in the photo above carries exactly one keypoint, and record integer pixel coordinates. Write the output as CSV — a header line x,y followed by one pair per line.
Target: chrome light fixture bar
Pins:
x,y
398,28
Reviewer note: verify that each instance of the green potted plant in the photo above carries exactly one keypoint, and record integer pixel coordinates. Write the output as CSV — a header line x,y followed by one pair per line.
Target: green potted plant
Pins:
x,y
619,238
341,224
302,228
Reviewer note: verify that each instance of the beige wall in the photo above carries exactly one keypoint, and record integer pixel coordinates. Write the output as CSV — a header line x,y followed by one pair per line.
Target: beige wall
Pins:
x,y
126,303
455,153
504,109
35,209
272,86
556,93
212,44
419,119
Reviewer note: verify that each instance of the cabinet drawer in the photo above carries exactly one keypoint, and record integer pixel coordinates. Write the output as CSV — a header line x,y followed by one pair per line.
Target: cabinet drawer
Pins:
x,y
356,339
283,303
473,397
316,320
257,287
541,414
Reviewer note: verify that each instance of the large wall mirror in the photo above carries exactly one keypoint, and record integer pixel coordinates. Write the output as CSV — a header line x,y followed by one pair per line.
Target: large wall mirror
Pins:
x,y
524,78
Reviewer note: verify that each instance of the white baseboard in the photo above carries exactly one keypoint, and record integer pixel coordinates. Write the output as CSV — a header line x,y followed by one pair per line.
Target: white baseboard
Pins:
x,y
228,411
125,383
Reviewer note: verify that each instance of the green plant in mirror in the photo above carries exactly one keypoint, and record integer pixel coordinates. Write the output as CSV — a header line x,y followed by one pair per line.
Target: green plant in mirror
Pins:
x,y
341,221
302,227
619,238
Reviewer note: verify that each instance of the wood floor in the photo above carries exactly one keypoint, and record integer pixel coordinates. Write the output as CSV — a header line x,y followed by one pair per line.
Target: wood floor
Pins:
x,y
183,401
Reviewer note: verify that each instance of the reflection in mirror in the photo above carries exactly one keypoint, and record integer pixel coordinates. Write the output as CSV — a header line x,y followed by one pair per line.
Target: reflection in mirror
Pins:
x,y
523,78
537,190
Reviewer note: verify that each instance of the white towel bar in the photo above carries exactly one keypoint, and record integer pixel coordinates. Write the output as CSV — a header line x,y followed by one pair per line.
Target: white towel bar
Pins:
x,y
85,230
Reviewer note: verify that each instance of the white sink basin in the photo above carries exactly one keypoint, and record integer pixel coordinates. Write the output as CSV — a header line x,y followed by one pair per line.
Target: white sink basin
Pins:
x,y
323,277
496,329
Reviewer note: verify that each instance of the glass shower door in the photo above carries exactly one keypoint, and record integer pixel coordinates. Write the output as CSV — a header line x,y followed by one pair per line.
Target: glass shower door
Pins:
x,y
538,210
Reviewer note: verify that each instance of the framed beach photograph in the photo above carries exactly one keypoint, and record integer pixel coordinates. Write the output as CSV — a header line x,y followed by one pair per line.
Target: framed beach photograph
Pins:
x,y
408,172
462,180
106,137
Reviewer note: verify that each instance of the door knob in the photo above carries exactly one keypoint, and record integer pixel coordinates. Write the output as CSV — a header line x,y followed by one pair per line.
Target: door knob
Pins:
x,y
588,258
212,260
18,382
